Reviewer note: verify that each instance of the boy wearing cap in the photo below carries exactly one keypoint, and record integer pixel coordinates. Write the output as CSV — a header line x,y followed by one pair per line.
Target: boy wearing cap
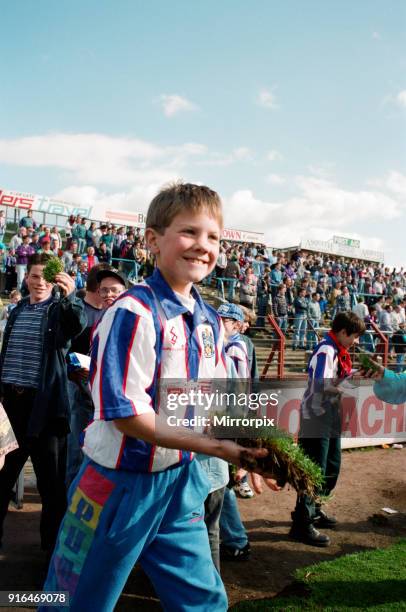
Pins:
x,y
235,545
236,348
139,495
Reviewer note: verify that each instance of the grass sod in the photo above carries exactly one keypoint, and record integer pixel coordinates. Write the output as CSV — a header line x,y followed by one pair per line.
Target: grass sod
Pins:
x,y
53,267
373,580
286,460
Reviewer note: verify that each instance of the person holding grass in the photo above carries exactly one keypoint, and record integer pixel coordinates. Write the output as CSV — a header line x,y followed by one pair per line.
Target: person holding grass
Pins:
x,y
139,494
320,427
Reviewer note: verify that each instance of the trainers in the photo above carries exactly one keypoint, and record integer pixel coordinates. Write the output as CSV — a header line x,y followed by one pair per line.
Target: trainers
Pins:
x,y
244,490
228,553
308,534
323,520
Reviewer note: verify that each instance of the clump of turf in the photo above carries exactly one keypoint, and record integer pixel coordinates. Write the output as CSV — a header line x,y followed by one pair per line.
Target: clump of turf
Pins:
x,y
366,362
52,268
286,462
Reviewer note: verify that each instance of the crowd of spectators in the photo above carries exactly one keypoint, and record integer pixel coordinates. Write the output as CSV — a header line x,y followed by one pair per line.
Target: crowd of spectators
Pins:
x,y
81,245
300,289
303,290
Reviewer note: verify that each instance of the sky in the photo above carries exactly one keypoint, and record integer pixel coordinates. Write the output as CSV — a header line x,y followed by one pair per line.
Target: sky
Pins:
x,y
295,112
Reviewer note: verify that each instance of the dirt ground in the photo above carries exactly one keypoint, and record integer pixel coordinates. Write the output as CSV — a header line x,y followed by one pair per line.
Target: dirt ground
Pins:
x,y
369,481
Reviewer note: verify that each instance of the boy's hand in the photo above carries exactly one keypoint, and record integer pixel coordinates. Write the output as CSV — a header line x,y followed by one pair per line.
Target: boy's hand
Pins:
x,y
231,452
376,373
257,481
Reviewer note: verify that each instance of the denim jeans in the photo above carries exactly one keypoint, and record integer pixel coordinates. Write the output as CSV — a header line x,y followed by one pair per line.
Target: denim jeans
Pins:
x,y
81,411
283,324
300,326
232,532
212,512
399,361
231,283
367,342
81,245
262,306
21,270
311,335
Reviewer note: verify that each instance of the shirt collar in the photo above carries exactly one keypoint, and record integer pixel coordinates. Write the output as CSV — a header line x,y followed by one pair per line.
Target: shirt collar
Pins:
x,y
171,305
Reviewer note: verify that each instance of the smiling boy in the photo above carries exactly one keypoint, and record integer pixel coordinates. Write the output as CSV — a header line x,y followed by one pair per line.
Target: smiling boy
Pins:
x,y
139,494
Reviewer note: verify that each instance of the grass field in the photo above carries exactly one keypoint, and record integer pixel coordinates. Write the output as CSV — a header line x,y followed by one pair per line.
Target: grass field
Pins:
x,y
373,580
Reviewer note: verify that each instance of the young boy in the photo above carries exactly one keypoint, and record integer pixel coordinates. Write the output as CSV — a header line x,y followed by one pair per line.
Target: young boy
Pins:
x,y
139,495
235,545
320,416
236,349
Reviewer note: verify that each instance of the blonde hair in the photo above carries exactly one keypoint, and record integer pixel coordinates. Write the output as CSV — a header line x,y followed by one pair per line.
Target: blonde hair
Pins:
x,y
179,197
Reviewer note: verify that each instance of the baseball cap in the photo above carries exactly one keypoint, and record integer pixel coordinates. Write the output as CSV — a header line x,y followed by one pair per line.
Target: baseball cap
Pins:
x,y
110,273
231,311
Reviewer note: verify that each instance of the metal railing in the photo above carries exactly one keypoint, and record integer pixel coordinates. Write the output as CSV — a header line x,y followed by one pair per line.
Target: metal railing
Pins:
x,y
382,347
278,347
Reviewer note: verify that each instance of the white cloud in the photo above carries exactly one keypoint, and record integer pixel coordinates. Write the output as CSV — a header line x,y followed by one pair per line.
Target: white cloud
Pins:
x,y
376,36
394,182
242,154
401,98
267,99
101,159
275,179
136,199
173,104
319,210
323,170
274,155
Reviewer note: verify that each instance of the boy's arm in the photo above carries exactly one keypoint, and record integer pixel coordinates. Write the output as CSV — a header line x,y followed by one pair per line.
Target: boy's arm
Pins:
x,y
154,429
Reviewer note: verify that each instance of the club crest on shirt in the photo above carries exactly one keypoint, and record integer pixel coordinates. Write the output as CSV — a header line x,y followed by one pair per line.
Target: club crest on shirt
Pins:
x,y
208,343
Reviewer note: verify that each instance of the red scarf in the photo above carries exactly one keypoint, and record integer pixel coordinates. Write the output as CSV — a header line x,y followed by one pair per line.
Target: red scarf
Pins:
x,y
344,359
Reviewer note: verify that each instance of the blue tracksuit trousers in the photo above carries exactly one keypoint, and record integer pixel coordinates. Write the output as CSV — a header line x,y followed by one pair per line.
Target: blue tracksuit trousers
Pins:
x,y
116,518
